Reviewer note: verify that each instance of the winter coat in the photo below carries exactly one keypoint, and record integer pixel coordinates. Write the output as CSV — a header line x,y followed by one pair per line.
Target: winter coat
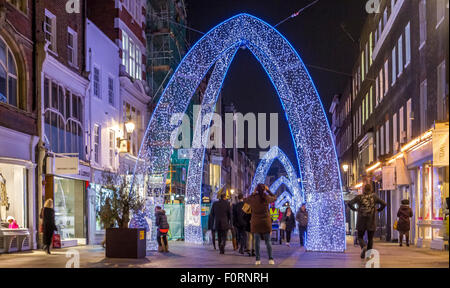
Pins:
x,y
302,217
260,222
238,216
290,222
211,220
48,217
161,220
403,214
221,213
367,210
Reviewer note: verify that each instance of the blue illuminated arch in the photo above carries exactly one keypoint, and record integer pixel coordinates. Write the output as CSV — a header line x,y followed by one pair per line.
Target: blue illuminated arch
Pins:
x,y
300,100
282,199
291,181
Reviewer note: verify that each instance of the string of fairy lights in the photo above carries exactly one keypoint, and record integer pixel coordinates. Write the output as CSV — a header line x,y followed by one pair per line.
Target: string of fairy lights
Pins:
x,y
311,134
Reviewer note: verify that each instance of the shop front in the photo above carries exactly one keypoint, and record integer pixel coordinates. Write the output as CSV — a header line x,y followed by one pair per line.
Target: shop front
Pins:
x,y
427,161
69,195
17,221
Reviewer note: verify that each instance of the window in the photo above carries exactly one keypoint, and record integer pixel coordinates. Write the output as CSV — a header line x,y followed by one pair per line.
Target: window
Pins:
x,y
370,48
363,70
394,66
440,12
386,77
97,82
394,133
8,77
378,143
371,101
423,106
21,5
441,87
388,138
382,140
63,117
409,120
401,117
97,144
112,138
407,44
131,57
72,47
400,55
50,30
111,91
367,106
422,22
377,91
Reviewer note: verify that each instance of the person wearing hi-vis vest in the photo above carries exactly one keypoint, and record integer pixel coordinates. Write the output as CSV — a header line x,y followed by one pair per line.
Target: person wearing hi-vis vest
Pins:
x,y
274,213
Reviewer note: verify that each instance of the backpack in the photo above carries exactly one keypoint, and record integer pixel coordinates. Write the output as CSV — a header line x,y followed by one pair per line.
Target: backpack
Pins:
x,y
367,205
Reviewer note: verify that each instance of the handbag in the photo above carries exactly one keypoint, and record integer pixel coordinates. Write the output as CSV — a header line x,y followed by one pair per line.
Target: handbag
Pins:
x,y
283,225
395,224
247,208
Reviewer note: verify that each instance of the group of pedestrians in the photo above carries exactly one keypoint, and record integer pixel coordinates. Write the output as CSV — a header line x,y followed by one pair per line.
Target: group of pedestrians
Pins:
x,y
250,222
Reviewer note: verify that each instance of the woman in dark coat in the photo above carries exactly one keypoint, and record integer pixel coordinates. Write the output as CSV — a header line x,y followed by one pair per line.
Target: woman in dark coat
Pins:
x,y
289,219
211,228
366,220
163,228
403,224
48,222
261,223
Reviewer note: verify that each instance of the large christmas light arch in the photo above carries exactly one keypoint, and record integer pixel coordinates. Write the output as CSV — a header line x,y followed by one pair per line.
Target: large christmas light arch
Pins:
x,y
292,180
283,198
304,111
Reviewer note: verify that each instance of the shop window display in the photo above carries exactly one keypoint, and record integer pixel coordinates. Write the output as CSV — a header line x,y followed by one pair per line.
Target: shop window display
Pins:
x,y
13,183
69,202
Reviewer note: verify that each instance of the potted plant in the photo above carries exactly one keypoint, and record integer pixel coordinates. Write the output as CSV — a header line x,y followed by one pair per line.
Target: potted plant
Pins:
x,y
117,202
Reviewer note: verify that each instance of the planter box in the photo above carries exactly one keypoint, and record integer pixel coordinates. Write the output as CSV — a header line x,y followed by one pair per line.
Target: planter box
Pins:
x,y
125,243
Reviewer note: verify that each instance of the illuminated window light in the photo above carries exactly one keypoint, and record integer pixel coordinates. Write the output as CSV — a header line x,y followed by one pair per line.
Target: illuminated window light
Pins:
x,y
373,167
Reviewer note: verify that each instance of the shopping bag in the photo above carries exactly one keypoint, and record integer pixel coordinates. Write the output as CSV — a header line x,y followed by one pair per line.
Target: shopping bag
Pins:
x,y
247,208
395,224
56,241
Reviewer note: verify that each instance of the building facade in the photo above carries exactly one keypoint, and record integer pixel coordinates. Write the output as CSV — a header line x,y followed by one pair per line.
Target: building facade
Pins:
x,y
18,126
391,122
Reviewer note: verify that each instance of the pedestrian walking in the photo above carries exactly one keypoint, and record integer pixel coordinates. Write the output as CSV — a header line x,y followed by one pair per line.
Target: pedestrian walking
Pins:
x,y
48,221
404,224
302,219
221,213
366,220
163,228
289,220
250,236
211,228
261,223
240,223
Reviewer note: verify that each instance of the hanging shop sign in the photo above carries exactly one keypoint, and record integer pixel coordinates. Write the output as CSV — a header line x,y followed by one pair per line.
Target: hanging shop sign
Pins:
x,y
388,174
402,172
440,145
63,165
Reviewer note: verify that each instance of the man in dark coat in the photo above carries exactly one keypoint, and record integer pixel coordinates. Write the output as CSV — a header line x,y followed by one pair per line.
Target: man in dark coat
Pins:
x,y
366,220
239,223
404,224
222,218
302,219
211,228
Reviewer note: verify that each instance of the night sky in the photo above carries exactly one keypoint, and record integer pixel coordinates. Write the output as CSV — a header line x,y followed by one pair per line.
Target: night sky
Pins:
x,y
316,34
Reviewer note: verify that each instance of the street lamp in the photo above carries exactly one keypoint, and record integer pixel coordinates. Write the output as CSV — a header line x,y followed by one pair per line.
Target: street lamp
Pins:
x,y
345,168
129,126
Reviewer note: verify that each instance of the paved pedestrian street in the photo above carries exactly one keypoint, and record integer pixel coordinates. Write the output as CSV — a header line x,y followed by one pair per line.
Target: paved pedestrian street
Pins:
x,y
183,255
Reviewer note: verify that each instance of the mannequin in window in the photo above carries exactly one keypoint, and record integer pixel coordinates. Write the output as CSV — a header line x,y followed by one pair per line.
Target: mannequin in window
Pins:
x,y
12,223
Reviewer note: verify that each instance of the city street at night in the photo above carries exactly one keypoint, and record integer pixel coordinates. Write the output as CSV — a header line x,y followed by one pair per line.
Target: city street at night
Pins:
x,y
235,135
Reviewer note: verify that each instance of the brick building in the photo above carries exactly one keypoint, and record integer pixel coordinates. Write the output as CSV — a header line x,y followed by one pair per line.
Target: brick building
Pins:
x,y
392,119
18,123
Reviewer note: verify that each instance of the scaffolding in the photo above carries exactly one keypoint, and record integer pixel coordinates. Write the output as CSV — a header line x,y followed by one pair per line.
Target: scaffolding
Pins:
x,y
166,36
